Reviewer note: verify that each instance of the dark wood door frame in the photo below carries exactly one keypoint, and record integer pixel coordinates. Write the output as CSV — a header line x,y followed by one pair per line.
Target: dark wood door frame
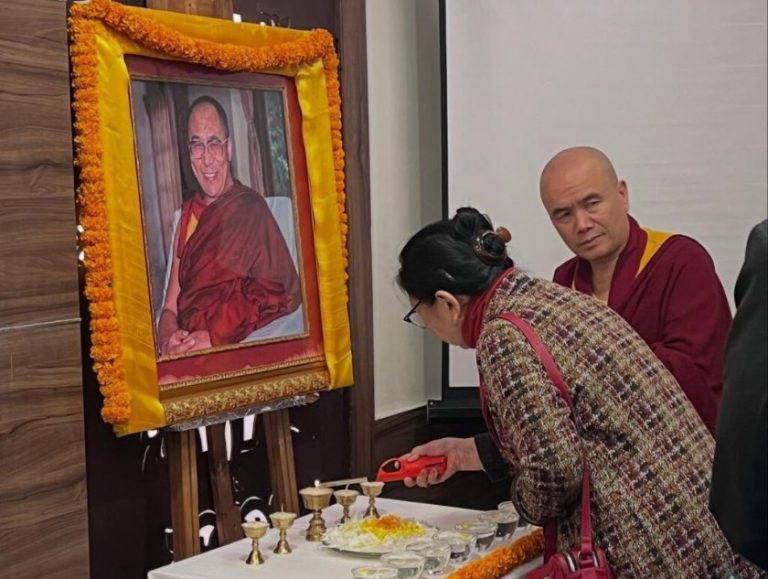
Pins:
x,y
354,102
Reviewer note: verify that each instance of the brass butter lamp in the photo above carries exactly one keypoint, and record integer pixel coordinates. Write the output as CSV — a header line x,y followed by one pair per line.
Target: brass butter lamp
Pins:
x,y
346,498
282,521
255,530
316,499
372,489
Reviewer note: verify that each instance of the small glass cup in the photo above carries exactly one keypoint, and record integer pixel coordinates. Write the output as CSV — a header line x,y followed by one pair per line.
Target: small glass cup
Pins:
x,y
374,572
460,544
409,564
483,532
506,522
510,506
436,555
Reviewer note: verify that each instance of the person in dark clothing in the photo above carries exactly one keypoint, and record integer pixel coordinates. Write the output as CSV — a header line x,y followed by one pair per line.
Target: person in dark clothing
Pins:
x,y
739,494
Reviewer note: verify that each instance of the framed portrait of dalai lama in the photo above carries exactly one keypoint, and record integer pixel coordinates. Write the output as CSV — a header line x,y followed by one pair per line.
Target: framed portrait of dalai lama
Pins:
x,y
232,276
224,201
212,213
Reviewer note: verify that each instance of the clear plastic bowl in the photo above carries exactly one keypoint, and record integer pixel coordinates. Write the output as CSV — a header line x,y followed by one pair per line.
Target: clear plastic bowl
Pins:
x,y
506,522
510,506
483,531
409,564
460,544
436,555
374,572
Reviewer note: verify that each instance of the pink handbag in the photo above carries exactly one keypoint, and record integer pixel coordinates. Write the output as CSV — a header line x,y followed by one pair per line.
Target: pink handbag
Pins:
x,y
586,561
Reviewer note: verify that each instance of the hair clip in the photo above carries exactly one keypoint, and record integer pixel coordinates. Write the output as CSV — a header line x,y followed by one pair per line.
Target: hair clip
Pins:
x,y
478,246
445,274
504,234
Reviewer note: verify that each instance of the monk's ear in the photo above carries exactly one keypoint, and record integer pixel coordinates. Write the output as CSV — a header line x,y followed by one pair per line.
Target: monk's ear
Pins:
x,y
229,149
624,192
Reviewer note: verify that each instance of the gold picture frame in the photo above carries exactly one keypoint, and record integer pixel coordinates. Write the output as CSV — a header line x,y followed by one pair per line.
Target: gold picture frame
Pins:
x,y
135,200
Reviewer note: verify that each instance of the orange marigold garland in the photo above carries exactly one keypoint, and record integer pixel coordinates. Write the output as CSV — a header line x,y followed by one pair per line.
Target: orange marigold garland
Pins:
x,y
501,561
106,350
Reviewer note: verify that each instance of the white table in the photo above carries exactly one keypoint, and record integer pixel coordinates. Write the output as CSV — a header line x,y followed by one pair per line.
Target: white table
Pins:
x,y
310,559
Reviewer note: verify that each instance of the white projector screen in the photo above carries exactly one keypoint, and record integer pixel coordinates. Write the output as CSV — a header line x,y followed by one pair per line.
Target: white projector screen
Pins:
x,y
674,92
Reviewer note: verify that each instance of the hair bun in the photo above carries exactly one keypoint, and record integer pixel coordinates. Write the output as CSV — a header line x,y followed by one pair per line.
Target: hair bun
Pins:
x,y
491,247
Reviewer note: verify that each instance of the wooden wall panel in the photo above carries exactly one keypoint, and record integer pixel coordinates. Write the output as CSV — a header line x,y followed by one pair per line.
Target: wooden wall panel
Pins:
x,y
211,8
37,234
43,528
354,104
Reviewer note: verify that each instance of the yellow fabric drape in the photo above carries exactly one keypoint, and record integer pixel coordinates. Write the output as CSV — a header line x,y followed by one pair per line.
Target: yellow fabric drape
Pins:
x,y
310,84
123,206
655,240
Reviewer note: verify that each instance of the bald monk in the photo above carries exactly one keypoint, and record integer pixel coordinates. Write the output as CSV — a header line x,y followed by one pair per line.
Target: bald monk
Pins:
x,y
232,272
664,285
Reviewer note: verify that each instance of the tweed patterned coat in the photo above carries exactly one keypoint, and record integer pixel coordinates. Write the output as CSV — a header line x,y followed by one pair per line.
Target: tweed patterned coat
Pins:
x,y
649,453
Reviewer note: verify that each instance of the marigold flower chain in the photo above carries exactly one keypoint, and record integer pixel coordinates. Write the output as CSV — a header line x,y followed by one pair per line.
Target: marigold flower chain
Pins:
x,y
106,349
502,560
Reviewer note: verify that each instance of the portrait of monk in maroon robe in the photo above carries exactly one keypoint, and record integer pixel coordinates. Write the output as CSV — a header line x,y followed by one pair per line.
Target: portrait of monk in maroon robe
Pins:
x,y
231,272
664,285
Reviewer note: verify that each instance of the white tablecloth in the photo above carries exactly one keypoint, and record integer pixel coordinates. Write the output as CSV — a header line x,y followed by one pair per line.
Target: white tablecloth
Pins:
x,y
310,559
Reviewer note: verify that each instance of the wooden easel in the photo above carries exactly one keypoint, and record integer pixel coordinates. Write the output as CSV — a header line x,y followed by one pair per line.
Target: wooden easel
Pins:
x,y
182,461
182,446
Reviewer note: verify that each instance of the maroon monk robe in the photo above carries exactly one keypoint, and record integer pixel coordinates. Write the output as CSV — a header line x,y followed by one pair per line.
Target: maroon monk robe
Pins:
x,y
677,305
235,272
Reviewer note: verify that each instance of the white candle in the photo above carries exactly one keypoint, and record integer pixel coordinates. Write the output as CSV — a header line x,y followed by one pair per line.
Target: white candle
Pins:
x,y
316,491
254,525
255,529
344,493
282,516
372,485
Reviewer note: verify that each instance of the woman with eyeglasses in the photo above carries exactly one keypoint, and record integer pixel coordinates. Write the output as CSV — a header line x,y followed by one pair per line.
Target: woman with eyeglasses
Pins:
x,y
648,452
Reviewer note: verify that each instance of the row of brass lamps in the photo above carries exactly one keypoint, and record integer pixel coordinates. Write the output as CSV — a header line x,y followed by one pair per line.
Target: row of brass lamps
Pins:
x,y
315,499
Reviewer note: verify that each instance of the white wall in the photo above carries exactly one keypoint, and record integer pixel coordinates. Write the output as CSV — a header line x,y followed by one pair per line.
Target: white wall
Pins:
x,y
431,163
404,117
691,50
673,92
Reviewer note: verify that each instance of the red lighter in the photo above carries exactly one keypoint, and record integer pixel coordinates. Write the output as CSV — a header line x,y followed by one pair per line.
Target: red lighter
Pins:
x,y
396,469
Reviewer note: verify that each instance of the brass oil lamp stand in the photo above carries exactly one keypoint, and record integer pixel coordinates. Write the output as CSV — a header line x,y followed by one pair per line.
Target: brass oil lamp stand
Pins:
x,y
316,499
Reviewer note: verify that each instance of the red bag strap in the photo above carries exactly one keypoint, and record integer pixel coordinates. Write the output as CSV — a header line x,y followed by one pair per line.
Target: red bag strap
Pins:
x,y
557,379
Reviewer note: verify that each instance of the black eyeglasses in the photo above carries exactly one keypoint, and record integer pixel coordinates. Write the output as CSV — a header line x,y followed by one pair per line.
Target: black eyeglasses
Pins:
x,y
409,317
215,148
